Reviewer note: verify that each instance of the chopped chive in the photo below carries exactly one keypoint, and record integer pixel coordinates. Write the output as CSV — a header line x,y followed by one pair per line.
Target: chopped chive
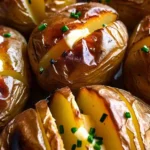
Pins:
x,y
92,131
79,13
73,147
107,1
64,54
61,129
52,61
104,25
98,138
97,147
41,70
99,142
29,1
72,14
145,49
7,35
102,119
90,139
42,26
127,115
64,28
73,130
79,143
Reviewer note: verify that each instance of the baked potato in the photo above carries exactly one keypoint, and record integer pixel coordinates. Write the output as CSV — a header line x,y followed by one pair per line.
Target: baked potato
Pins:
x,y
24,15
131,12
14,74
111,119
137,65
82,44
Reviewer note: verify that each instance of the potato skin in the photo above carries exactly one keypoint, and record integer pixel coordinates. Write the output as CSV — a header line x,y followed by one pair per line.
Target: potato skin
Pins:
x,y
90,61
115,103
14,74
136,69
14,13
131,12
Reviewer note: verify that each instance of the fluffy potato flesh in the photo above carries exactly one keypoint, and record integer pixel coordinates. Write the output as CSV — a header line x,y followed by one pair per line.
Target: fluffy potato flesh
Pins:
x,y
69,117
93,105
50,128
83,30
35,7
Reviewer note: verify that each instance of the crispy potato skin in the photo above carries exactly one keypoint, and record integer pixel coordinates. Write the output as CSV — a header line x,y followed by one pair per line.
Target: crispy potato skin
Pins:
x,y
137,65
23,133
141,111
14,75
14,13
90,61
130,11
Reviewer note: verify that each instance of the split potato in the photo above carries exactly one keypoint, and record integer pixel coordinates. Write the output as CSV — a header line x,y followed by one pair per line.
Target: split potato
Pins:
x,y
81,45
131,12
14,74
111,119
24,15
136,69
34,130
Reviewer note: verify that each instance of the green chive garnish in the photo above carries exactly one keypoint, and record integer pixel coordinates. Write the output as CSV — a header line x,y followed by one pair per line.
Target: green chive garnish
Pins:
x,y
97,147
29,1
73,147
79,13
127,115
7,35
79,143
99,142
104,25
107,1
52,61
61,129
72,14
41,70
92,131
102,119
145,49
64,28
73,130
90,139
42,26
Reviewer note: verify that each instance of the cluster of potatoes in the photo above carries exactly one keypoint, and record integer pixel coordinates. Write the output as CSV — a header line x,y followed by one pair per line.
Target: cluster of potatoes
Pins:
x,y
75,49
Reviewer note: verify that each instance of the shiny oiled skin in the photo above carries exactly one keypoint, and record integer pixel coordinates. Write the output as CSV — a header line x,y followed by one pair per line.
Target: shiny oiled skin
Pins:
x,y
13,13
92,60
23,133
131,12
14,74
137,63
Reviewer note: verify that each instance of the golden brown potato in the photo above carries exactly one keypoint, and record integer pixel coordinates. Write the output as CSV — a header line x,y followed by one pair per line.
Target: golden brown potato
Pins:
x,y
111,119
24,15
137,63
32,130
89,52
14,74
130,11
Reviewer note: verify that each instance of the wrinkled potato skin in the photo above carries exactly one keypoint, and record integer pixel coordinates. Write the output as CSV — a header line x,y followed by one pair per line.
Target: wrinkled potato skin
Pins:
x,y
137,63
141,110
14,89
23,133
14,14
131,12
89,62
